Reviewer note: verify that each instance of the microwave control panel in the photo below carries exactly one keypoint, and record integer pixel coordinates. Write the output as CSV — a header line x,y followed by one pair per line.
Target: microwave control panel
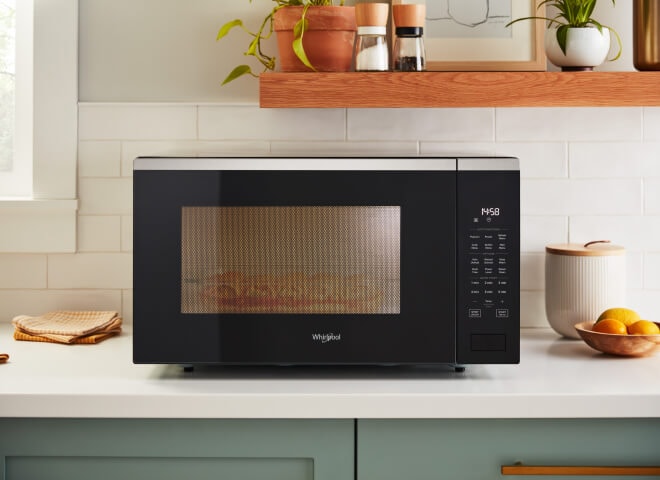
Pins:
x,y
489,280
488,266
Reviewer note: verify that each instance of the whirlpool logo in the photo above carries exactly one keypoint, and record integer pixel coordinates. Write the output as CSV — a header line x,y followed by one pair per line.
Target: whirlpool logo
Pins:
x,y
326,337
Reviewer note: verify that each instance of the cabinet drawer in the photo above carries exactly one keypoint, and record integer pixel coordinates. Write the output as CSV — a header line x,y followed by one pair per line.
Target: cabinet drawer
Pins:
x,y
477,449
59,449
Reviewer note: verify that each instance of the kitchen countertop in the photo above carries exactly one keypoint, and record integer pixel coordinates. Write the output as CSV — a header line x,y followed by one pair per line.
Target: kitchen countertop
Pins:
x,y
556,378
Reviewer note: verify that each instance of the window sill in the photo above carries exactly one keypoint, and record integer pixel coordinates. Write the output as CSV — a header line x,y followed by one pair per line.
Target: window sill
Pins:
x,y
38,226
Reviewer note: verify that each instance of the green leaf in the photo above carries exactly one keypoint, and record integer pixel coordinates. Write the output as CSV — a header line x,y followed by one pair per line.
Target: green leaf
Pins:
x,y
562,33
299,28
298,49
224,30
237,72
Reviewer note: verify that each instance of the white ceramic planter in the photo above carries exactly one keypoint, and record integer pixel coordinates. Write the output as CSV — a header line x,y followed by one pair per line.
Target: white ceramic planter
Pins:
x,y
581,282
585,48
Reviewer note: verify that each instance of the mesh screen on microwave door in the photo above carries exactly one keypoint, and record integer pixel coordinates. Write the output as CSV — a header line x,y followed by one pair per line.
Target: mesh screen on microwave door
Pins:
x,y
300,259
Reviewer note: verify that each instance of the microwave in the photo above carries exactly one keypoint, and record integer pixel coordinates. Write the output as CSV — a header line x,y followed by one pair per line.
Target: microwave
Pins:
x,y
326,261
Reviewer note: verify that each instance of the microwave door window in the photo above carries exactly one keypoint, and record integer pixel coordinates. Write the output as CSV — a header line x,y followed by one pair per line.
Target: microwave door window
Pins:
x,y
291,260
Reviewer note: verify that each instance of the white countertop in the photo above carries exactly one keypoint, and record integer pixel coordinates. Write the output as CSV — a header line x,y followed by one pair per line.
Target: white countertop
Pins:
x,y
556,378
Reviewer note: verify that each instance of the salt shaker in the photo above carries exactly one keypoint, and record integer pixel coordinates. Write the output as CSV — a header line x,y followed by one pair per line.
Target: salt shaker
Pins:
x,y
409,53
371,52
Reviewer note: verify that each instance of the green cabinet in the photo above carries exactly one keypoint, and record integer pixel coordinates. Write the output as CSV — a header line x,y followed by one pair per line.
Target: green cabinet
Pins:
x,y
138,449
471,449
393,449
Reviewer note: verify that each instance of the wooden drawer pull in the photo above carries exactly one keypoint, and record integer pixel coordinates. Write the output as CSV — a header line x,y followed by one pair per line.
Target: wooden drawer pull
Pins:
x,y
520,469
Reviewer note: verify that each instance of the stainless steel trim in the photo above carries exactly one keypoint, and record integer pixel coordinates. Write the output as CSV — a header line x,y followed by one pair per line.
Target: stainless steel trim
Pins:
x,y
327,163
293,163
489,163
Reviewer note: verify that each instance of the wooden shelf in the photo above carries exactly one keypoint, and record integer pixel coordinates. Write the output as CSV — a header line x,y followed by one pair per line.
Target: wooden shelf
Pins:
x,y
459,89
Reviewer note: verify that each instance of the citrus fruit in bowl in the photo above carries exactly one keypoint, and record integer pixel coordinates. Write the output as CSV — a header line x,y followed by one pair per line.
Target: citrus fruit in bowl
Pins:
x,y
612,336
627,316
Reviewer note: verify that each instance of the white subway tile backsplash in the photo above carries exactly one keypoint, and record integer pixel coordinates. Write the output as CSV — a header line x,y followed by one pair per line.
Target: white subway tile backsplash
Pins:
x,y
127,306
430,124
137,122
581,197
90,270
652,273
127,234
99,159
537,159
536,232
254,123
23,271
105,196
568,124
614,160
132,150
532,271
532,309
652,196
652,124
37,302
98,233
635,233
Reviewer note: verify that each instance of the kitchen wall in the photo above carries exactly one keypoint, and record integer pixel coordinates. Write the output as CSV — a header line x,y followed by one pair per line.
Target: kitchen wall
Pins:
x,y
150,75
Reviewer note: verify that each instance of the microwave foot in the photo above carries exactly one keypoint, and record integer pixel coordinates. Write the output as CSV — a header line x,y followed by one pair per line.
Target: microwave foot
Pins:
x,y
188,368
459,368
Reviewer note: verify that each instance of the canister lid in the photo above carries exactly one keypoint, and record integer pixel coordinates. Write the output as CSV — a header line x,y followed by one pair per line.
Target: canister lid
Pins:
x,y
597,248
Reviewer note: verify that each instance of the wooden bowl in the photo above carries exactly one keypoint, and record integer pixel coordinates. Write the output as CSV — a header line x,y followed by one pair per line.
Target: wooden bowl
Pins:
x,y
623,345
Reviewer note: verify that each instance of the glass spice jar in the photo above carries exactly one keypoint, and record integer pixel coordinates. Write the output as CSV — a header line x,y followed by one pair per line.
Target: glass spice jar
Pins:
x,y
409,52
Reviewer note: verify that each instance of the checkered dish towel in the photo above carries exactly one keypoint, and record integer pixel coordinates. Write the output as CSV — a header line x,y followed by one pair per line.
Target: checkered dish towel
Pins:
x,y
67,327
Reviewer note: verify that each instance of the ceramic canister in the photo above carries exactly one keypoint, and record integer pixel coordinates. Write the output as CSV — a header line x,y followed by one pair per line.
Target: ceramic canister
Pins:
x,y
581,281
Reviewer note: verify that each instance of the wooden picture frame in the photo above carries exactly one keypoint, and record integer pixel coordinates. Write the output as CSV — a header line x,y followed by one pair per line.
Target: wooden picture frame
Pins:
x,y
521,50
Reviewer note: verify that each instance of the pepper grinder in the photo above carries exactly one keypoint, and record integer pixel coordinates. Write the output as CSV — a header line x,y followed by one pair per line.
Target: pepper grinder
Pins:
x,y
409,53
371,52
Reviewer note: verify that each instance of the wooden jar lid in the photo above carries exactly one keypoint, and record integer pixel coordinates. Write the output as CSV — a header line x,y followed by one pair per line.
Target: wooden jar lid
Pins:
x,y
598,248
409,15
371,14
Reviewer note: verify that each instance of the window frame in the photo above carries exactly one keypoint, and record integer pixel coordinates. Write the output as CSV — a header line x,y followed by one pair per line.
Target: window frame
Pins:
x,y
47,221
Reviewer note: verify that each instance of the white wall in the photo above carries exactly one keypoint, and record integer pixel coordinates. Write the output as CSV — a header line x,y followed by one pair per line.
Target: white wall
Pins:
x,y
588,173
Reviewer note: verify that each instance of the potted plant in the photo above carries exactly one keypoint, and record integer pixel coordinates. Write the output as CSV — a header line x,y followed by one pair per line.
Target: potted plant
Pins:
x,y
574,39
311,35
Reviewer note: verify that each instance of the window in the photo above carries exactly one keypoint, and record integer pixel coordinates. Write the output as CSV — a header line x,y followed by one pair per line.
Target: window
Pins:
x,y
41,216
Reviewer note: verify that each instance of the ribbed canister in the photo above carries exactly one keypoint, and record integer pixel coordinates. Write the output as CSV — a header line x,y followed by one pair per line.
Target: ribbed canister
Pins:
x,y
581,281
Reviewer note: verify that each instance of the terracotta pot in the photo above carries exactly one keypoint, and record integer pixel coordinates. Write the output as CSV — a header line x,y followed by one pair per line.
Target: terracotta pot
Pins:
x,y
328,40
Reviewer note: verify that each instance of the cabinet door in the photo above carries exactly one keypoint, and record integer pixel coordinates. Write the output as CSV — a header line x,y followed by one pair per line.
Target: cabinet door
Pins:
x,y
59,449
477,449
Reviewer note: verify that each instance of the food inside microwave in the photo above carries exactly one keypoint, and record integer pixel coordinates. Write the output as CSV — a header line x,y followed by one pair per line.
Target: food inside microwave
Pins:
x,y
298,292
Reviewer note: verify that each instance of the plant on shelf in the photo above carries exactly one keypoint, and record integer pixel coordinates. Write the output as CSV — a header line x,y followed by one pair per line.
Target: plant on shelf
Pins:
x,y
273,21
573,14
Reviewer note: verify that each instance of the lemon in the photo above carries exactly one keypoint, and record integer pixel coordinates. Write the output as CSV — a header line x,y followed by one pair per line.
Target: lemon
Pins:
x,y
610,325
622,314
643,327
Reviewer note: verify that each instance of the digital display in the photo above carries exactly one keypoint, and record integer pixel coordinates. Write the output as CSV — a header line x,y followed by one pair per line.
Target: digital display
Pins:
x,y
490,211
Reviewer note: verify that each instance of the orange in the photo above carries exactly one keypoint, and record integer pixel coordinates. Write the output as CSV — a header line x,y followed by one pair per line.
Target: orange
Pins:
x,y
624,315
610,325
643,327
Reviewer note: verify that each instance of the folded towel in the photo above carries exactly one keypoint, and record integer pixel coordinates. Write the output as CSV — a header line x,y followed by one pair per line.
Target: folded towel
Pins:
x,y
86,340
67,327
4,357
